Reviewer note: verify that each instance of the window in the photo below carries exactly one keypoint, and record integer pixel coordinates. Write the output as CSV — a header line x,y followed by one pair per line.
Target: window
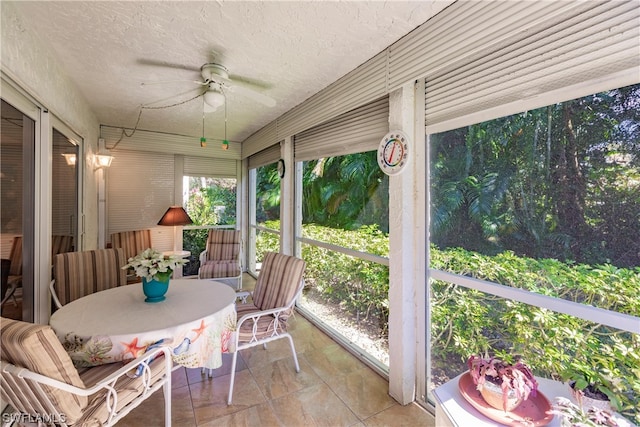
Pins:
x,y
264,224
345,244
540,203
210,202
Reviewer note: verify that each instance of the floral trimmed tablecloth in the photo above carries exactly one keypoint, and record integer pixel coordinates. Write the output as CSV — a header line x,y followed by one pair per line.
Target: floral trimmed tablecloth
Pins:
x,y
197,321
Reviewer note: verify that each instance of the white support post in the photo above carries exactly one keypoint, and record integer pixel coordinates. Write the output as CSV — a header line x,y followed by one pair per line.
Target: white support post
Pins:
x,y
178,181
404,195
287,201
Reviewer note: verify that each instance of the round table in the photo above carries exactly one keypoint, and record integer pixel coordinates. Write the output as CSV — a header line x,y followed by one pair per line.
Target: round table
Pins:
x,y
197,320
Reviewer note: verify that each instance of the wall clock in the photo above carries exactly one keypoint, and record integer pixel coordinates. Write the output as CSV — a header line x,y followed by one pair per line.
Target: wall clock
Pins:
x,y
393,152
281,168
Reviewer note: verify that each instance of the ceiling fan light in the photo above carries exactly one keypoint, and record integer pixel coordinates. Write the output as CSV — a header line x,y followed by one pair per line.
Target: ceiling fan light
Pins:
x,y
213,98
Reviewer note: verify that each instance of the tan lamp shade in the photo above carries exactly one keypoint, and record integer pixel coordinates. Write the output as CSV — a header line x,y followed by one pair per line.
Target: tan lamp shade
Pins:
x,y
175,215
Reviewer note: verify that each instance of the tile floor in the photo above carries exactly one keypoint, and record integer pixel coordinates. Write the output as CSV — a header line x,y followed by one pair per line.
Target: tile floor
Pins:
x,y
332,388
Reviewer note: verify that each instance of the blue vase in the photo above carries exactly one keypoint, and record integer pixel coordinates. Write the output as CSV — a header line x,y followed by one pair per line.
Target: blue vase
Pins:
x,y
154,289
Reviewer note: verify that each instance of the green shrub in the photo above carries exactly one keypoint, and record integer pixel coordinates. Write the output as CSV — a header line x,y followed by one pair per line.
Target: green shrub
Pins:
x,y
466,321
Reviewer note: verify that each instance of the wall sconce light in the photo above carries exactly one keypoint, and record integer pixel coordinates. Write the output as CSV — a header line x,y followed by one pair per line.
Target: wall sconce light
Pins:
x,y
103,160
70,158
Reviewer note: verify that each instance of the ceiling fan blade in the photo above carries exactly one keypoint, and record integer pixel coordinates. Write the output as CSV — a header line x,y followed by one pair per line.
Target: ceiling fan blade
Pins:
x,y
156,63
248,82
173,81
250,93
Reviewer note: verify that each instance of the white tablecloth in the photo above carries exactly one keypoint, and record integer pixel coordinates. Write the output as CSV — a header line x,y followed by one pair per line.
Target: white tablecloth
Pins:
x,y
197,320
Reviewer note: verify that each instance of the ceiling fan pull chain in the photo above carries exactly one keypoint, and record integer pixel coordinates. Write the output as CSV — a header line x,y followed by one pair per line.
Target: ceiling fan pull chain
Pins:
x,y
225,143
203,140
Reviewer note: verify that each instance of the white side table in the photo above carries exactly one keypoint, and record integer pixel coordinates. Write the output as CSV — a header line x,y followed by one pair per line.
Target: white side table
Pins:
x,y
181,254
452,410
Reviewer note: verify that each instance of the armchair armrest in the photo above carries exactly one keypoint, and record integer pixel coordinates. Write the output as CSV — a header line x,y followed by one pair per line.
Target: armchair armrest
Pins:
x,y
107,382
52,289
116,399
275,312
202,257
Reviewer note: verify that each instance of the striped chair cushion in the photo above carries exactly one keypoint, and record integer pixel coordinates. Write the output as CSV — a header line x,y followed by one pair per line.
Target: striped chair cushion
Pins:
x,y
218,269
223,245
78,274
133,242
16,257
278,280
37,348
266,324
128,389
61,244
14,280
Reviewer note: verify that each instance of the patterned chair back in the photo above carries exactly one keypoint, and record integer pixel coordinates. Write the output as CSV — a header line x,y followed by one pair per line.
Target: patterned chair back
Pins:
x,y
61,244
132,242
77,274
279,281
223,245
221,258
38,349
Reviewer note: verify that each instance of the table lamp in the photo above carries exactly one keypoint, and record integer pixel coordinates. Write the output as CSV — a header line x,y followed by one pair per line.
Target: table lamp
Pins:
x,y
175,216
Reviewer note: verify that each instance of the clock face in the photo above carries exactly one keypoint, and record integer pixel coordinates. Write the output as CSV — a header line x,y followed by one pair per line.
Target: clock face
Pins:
x,y
393,152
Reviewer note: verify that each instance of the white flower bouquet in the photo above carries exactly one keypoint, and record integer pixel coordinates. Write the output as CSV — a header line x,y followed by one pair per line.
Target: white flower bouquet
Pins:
x,y
150,264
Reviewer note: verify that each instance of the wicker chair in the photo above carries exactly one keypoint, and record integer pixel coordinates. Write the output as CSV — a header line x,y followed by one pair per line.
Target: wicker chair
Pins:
x,y
40,383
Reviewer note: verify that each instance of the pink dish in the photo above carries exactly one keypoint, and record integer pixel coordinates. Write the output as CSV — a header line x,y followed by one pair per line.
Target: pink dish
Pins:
x,y
531,413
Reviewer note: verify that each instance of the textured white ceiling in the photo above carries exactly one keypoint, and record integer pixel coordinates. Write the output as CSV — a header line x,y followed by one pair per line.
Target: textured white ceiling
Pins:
x,y
290,49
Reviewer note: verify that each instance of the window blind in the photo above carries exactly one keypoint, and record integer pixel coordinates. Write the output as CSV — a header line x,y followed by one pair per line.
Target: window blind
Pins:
x,y
356,131
260,140
562,50
210,167
139,206
265,157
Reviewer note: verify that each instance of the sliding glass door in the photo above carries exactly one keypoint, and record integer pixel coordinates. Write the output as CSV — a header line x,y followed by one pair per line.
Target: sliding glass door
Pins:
x,y
17,152
64,188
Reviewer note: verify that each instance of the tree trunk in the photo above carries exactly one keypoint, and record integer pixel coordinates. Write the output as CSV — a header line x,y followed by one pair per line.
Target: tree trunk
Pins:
x,y
568,179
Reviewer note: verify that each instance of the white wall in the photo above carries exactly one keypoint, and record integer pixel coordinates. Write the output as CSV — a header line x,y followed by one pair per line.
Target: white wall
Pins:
x,y
28,62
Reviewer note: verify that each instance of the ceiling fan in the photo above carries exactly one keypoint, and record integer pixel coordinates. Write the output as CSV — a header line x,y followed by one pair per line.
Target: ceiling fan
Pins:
x,y
217,84
216,79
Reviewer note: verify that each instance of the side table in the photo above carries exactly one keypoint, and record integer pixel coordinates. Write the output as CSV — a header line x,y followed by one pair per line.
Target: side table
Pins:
x,y
452,410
